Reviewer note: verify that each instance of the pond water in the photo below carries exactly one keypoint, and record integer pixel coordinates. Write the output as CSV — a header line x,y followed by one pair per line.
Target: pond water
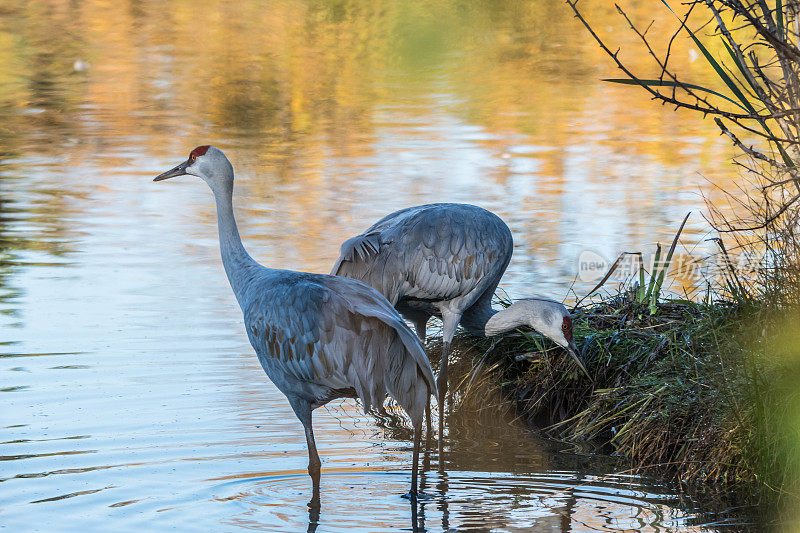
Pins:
x,y
130,396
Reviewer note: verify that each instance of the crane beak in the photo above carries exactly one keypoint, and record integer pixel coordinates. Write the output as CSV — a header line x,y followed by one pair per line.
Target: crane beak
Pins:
x,y
572,350
180,170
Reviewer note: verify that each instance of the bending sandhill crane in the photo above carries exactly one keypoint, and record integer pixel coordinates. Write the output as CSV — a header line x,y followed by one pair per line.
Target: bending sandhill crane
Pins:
x,y
446,260
318,337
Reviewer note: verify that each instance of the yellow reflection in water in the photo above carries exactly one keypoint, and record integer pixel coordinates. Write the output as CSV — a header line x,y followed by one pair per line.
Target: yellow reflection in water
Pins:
x,y
332,105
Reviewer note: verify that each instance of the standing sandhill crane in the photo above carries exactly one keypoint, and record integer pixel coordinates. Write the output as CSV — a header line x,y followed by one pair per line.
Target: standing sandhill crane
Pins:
x,y
318,337
446,260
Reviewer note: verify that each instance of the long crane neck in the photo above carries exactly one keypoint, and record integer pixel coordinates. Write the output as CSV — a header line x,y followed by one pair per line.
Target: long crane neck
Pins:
x,y
239,266
488,322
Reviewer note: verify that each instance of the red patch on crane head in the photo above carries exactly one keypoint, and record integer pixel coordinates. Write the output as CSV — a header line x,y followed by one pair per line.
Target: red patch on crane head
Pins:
x,y
566,328
197,152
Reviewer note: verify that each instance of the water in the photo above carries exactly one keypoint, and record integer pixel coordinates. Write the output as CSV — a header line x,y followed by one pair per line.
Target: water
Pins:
x,y
131,397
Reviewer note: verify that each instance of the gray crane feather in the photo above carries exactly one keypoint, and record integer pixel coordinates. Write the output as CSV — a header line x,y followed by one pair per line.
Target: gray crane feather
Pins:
x,y
434,252
329,334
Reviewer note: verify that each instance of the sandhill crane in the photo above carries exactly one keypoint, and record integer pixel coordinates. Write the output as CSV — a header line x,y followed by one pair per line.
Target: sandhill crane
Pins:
x,y
446,260
318,337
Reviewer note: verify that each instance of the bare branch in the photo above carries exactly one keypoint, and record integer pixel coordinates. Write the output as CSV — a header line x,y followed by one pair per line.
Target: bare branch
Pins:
x,y
748,150
780,46
762,95
672,39
770,219
658,61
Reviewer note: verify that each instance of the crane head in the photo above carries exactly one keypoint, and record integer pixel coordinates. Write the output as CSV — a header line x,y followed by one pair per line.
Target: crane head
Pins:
x,y
571,347
206,162
551,319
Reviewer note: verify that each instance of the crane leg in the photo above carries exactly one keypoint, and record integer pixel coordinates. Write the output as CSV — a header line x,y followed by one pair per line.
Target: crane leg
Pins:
x,y
428,416
415,467
303,411
441,385
314,464
313,512
412,495
421,326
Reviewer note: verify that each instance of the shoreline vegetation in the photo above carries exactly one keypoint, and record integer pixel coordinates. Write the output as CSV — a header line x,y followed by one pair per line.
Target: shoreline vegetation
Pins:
x,y
704,392
696,392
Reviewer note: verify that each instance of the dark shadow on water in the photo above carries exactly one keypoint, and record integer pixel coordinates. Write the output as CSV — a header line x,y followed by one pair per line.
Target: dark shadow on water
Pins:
x,y
313,511
417,507
442,505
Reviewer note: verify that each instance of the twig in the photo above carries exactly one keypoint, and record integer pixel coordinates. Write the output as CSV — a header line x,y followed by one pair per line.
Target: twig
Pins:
x,y
748,150
769,220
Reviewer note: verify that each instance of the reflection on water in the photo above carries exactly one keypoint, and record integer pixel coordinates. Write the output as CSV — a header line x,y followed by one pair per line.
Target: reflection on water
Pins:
x,y
130,393
460,501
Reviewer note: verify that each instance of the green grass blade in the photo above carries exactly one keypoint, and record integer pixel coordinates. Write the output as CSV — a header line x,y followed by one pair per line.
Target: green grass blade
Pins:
x,y
640,292
666,4
667,83
653,274
723,75
786,159
716,66
653,307
785,156
668,260
739,64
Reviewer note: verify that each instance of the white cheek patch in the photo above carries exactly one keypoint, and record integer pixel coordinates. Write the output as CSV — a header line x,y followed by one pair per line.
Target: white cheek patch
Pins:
x,y
193,169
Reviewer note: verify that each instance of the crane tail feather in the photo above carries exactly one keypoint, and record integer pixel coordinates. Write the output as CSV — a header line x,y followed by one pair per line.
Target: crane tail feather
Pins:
x,y
357,248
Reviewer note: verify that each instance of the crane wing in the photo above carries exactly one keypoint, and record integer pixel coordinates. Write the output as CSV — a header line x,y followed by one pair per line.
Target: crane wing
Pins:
x,y
315,334
430,252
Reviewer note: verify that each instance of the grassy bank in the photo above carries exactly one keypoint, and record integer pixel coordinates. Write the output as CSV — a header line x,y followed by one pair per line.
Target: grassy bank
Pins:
x,y
697,391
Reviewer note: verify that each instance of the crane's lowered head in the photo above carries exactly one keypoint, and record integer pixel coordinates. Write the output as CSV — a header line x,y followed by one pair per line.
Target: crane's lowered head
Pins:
x,y
551,319
206,162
